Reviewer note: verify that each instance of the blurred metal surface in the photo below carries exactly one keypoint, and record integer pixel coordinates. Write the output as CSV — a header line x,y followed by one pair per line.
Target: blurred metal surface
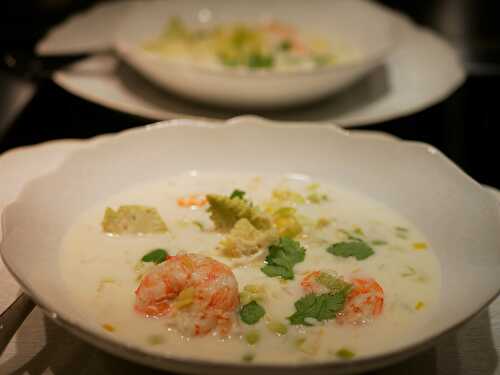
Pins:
x,y
12,318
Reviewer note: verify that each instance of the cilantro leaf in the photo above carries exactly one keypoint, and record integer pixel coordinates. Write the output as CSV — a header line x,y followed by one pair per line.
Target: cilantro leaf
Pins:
x,y
251,313
237,194
320,307
354,248
285,45
282,257
258,60
156,256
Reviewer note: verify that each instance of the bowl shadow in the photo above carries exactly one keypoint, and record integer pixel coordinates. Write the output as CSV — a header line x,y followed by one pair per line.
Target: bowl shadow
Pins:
x,y
362,93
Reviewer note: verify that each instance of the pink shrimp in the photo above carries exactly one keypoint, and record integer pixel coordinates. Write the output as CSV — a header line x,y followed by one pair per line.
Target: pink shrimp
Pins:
x,y
364,302
287,32
310,285
320,282
195,293
192,201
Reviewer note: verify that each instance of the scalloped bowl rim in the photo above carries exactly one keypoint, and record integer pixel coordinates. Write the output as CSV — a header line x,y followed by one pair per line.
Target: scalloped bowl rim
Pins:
x,y
129,351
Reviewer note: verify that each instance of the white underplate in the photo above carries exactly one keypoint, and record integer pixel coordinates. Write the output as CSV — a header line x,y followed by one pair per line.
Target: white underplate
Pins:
x,y
422,71
396,173
336,21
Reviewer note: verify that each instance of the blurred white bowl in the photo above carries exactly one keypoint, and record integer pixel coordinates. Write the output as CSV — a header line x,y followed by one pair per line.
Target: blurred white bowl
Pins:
x,y
456,214
368,29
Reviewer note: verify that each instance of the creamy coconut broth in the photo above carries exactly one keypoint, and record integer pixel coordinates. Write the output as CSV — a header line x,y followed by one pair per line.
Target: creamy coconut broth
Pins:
x,y
320,273
270,45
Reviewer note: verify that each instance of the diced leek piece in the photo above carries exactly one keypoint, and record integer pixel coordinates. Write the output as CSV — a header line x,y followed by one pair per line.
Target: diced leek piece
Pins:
x,y
308,344
185,298
344,353
278,328
252,292
252,337
155,339
358,231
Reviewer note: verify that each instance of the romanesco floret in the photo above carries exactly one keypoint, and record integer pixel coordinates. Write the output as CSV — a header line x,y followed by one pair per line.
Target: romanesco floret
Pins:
x,y
133,219
225,212
245,240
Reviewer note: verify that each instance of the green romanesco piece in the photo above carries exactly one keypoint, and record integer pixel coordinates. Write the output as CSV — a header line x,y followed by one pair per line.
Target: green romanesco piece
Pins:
x,y
245,240
225,212
133,219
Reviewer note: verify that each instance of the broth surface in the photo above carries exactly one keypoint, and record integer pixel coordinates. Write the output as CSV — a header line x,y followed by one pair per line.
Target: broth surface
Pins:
x,y
102,272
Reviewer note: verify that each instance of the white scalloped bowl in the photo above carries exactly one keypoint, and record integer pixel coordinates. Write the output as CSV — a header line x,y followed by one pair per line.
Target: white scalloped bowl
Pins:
x,y
458,217
365,27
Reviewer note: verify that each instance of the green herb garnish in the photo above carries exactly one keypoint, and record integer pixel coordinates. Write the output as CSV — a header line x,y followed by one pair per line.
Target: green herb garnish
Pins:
x,y
251,313
257,60
320,307
282,257
278,328
285,45
353,248
237,194
379,242
156,256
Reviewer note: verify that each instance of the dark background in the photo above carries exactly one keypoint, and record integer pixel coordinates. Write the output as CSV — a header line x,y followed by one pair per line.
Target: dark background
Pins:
x,y
464,126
